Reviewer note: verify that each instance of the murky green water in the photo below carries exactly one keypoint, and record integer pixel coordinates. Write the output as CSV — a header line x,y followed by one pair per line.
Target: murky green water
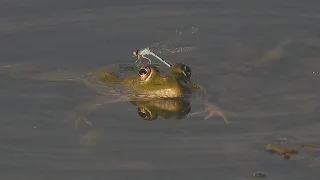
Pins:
x,y
258,60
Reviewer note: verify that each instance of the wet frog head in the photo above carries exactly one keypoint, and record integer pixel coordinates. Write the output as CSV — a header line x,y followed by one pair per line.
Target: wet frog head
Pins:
x,y
126,81
149,83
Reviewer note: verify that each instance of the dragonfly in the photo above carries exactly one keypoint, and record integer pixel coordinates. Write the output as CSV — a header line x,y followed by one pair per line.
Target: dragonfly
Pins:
x,y
164,46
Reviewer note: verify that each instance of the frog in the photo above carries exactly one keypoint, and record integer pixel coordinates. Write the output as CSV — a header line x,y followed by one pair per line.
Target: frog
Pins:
x,y
149,87
146,88
141,85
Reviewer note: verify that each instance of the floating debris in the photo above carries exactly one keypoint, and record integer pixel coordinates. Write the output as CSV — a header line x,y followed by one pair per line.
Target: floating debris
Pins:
x,y
289,146
282,140
309,146
286,153
259,174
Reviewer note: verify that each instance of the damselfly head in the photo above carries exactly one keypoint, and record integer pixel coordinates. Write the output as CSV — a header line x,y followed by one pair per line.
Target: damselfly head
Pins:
x,y
135,53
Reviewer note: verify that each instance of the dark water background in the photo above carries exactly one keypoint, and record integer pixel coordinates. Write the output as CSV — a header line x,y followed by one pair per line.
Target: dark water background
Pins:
x,y
259,61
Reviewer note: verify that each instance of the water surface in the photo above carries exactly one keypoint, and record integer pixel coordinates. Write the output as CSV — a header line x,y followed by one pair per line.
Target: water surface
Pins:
x,y
258,60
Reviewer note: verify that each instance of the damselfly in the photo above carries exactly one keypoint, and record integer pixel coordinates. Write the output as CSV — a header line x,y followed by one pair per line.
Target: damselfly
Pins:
x,y
165,46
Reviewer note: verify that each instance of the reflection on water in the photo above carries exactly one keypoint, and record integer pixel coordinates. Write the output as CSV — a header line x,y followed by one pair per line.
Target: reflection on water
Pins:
x,y
176,108
167,108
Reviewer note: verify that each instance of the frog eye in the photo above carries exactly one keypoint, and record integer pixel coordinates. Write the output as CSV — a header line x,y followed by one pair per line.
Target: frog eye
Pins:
x,y
145,114
144,73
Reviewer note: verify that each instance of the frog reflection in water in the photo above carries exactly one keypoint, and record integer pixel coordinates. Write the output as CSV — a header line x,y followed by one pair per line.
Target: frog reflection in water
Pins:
x,y
167,108
154,94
